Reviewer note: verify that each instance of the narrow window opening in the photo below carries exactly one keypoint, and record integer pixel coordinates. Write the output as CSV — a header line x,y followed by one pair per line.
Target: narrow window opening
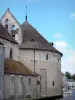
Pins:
x,y
13,83
29,81
13,30
11,53
6,24
21,80
53,83
38,82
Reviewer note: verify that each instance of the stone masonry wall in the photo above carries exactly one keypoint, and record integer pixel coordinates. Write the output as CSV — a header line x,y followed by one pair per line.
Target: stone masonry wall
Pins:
x,y
1,71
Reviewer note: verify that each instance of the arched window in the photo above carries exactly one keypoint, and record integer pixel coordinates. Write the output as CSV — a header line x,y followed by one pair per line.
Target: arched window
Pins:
x,y
47,56
13,30
6,23
13,27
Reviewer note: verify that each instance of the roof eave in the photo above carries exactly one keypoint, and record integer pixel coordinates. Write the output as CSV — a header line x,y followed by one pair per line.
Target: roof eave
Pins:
x,y
42,49
21,74
10,40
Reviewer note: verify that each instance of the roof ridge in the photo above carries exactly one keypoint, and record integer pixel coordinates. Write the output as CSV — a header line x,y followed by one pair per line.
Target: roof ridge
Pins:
x,y
11,15
36,31
30,32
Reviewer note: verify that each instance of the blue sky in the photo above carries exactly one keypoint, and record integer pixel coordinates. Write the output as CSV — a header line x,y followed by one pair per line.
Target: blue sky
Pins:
x,y
54,19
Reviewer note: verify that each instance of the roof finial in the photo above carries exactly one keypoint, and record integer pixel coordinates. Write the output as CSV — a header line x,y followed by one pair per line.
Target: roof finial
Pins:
x,y
26,13
8,9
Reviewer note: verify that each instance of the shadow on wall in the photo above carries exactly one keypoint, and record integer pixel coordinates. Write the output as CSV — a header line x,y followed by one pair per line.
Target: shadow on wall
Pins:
x,y
28,98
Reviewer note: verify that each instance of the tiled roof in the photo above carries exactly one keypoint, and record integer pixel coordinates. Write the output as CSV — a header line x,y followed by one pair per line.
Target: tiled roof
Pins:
x,y
16,67
5,35
32,39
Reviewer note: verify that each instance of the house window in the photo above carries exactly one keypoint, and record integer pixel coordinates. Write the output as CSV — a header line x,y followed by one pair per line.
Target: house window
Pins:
x,y
11,53
29,81
73,86
46,56
53,83
6,24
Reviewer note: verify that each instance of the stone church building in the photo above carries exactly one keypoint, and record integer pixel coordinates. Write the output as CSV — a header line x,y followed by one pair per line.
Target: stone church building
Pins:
x,y
32,65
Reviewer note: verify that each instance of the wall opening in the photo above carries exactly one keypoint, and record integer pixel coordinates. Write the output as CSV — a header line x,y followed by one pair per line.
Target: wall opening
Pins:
x,y
11,53
53,83
6,23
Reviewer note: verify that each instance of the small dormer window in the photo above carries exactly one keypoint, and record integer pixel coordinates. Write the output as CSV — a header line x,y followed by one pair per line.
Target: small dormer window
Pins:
x,y
6,24
32,40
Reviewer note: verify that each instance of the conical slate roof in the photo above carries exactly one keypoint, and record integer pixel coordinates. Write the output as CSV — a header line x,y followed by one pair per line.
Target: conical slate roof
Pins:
x,y
32,39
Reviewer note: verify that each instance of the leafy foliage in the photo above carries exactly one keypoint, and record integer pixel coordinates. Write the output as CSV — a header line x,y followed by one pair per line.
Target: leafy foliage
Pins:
x,y
68,75
73,76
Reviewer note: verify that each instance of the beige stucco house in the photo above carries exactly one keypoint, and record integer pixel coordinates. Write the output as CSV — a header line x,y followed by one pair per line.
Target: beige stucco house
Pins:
x,y
33,51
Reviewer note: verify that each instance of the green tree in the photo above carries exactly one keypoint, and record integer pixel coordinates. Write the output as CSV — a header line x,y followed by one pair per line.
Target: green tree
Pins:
x,y
73,76
68,75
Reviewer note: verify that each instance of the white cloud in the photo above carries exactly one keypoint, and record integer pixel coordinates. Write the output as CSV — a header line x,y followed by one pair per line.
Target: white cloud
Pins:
x,y
69,64
72,16
61,45
57,35
68,59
